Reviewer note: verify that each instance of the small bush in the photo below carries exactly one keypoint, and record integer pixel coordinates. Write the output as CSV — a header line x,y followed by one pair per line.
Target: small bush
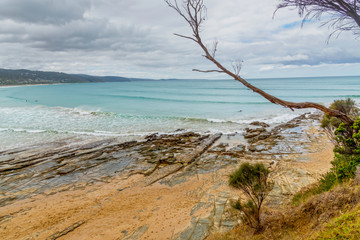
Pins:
x,y
253,181
347,106
327,182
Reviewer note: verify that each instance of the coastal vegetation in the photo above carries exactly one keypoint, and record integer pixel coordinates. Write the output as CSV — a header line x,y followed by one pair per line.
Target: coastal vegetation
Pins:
x,y
344,165
330,123
327,209
330,215
336,191
347,226
347,150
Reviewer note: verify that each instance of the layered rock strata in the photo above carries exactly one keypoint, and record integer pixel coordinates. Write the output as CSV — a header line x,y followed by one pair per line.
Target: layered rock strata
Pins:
x,y
133,177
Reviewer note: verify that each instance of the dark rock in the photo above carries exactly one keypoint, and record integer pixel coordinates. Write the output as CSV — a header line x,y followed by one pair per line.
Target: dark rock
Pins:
x,y
220,147
151,137
180,130
190,134
66,170
261,124
239,148
257,148
251,130
251,133
153,160
261,136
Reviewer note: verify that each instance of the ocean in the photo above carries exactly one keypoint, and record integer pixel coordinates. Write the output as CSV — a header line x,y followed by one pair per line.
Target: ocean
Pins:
x,y
131,110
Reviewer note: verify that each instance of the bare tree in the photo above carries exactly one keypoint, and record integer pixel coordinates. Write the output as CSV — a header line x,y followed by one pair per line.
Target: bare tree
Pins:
x,y
341,15
194,13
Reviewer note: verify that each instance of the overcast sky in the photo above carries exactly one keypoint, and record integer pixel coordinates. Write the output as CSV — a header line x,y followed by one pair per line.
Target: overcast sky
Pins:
x,y
134,38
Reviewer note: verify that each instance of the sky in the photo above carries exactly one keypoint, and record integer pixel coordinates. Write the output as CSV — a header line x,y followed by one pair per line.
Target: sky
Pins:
x,y
134,38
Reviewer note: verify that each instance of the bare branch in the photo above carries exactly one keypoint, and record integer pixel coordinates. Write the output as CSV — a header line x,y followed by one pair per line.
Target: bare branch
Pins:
x,y
193,11
341,15
187,37
208,71
237,65
214,49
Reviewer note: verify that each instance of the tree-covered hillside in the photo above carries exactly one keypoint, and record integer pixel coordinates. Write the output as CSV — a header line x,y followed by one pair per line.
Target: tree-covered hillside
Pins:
x,y
20,77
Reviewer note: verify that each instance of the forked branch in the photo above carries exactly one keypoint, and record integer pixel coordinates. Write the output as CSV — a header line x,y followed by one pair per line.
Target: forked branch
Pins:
x,y
207,71
193,12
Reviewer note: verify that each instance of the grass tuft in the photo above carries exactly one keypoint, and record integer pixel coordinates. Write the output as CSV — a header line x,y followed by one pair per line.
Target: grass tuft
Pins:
x,y
347,226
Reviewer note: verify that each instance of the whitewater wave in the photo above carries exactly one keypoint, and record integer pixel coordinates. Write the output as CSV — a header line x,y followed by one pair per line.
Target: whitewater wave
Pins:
x,y
43,110
274,119
53,113
142,98
88,133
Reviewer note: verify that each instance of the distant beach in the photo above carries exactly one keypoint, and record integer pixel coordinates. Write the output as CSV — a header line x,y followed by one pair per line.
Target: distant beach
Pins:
x,y
27,85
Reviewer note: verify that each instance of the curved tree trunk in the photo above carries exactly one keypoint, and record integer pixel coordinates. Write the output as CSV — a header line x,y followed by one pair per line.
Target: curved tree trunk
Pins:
x,y
292,105
193,12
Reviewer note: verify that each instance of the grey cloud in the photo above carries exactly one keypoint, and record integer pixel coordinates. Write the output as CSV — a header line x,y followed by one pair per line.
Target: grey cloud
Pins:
x,y
134,38
90,35
43,11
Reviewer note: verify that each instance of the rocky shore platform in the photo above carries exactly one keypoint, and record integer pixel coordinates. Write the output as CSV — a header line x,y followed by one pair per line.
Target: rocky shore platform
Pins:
x,y
172,186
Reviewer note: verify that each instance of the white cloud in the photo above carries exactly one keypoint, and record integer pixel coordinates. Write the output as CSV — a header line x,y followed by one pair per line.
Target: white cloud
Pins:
x,y
135,39
290,58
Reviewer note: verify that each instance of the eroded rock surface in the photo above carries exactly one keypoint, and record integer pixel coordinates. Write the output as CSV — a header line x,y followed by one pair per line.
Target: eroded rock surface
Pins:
x,y
296,152
46,168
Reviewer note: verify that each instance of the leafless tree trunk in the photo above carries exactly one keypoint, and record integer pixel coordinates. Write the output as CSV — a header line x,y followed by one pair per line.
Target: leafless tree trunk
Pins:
x,y
194,11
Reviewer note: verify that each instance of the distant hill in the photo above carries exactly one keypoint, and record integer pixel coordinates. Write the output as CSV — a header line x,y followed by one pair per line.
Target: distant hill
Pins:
x,y
23,76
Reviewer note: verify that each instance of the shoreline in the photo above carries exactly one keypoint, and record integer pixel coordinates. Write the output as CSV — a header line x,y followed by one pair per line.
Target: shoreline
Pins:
x,y
38,136
29,85
174,187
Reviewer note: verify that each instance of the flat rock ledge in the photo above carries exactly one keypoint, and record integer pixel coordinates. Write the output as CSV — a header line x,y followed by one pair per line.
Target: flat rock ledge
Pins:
x,y
171,160
47,168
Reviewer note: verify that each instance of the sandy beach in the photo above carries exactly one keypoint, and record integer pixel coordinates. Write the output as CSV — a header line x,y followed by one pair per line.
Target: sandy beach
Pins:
x,y
187,202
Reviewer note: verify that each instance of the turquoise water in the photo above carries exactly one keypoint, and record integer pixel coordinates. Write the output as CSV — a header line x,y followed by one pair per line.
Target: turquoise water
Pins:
x,y
32,114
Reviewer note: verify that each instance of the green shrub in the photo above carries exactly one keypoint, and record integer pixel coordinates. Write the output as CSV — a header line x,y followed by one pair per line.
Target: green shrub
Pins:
x,y
346,226
253,181
327,181
347,151
344,166
347,106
